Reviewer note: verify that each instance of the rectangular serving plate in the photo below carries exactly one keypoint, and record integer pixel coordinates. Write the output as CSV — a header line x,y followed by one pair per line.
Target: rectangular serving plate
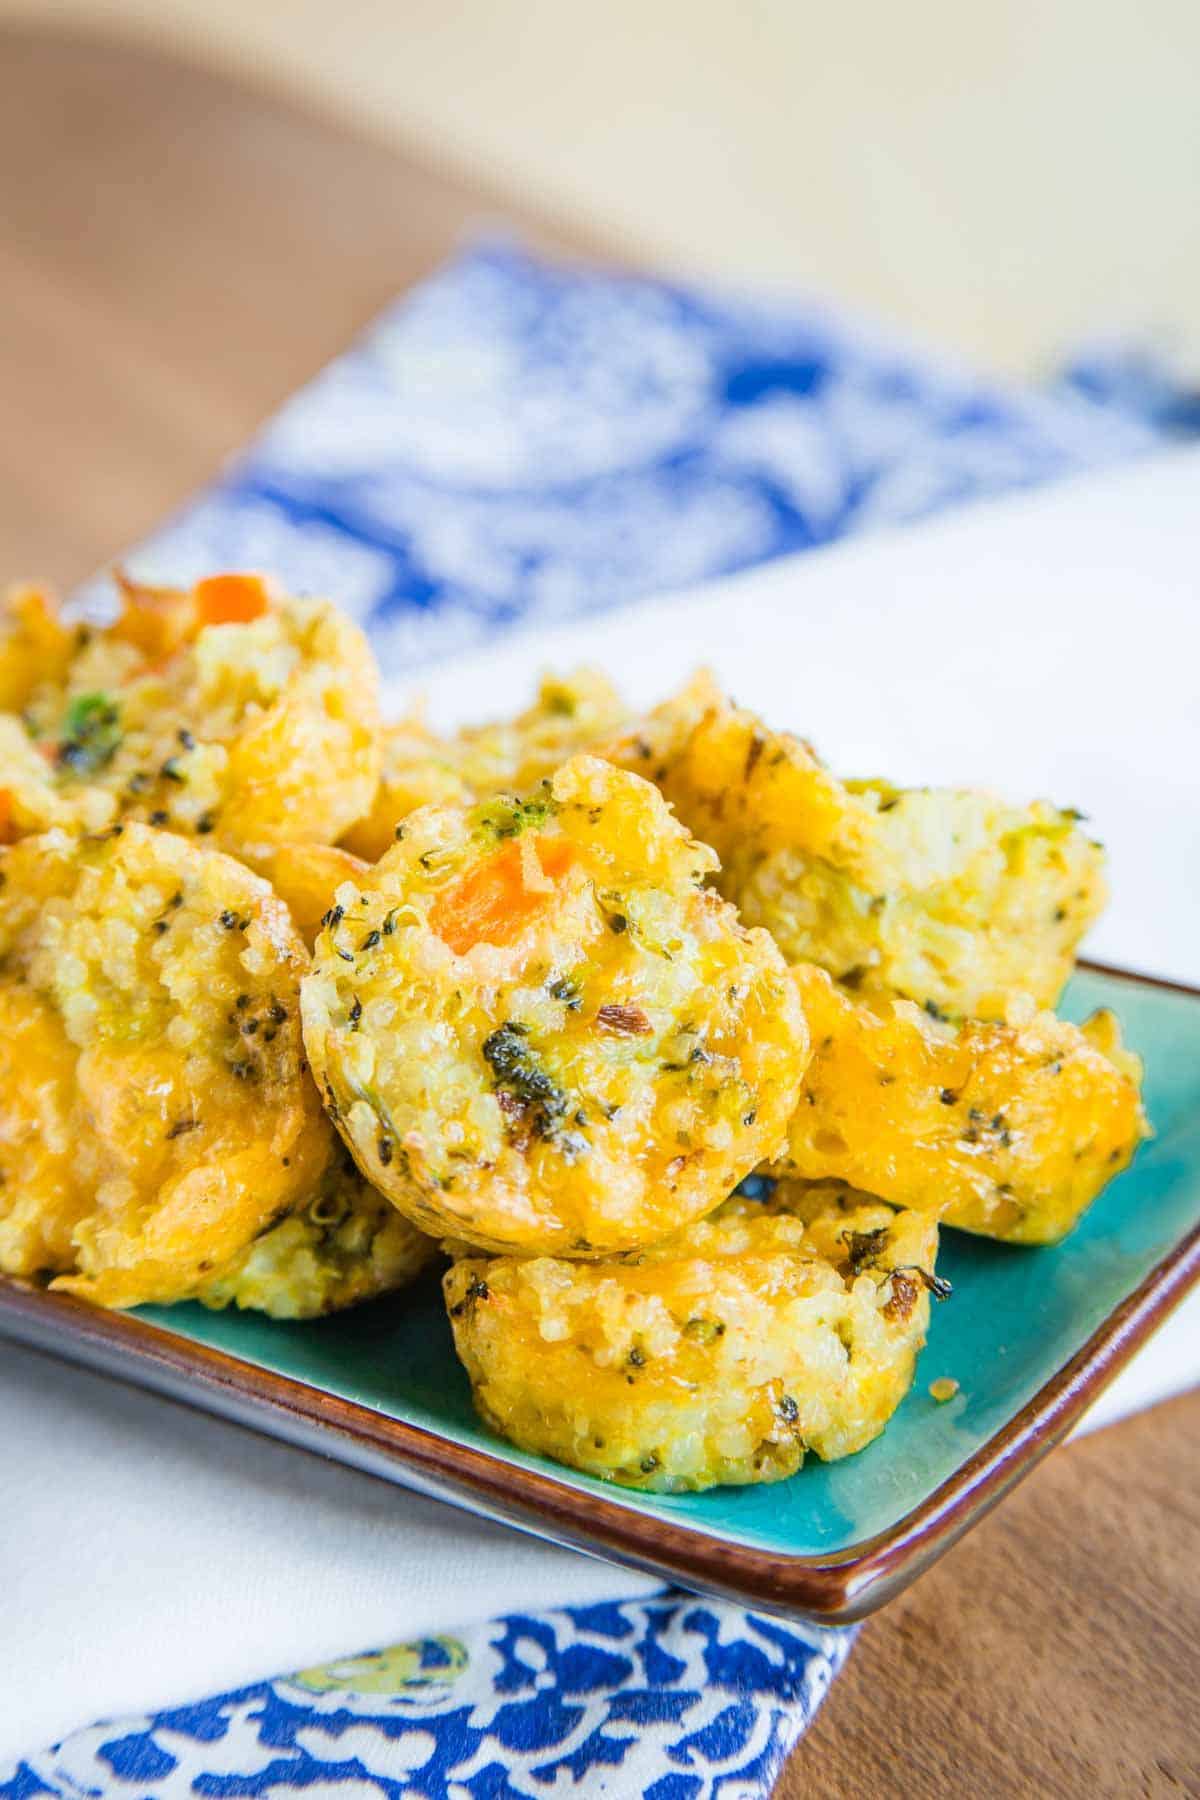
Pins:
x,y
864,645
1031,1335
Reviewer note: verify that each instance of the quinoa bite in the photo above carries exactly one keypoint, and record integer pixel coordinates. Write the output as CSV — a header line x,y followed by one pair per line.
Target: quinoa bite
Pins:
x,y
722,1355
223,712
538,1029
155,1111
945,895
1006,1129
570,713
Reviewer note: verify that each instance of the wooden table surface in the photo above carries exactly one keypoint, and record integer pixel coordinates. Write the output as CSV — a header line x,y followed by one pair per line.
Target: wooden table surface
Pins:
x,y
177,252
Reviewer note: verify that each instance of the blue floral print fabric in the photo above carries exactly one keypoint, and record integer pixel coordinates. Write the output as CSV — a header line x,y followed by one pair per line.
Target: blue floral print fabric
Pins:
x,y
672,1698
517,443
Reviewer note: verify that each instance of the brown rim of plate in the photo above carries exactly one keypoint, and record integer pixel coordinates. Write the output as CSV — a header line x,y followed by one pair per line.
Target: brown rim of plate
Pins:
x,y
832,1590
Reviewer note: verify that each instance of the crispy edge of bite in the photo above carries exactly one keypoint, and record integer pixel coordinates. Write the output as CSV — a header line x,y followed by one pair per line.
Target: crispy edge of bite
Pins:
x,y
345,1246
416,769
570,713
35,645
152,1202
734,782
949,895
543,1005
306,877
41,1200
719,1357
1007,1130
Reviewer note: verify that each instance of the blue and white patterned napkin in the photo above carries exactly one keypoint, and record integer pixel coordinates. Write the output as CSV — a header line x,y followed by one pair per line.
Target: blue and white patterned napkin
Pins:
x,y
512,445
675,1699
515,444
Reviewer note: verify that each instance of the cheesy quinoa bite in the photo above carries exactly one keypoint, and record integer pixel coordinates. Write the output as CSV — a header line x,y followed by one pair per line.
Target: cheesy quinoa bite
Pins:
x,y
1008,1130
538,1029
223,712
722,1355
155,1113
571,713
946,895
345,1245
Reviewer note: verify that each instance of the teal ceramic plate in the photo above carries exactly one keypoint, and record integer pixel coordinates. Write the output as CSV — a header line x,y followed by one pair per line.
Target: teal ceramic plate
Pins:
x,y
1031,1335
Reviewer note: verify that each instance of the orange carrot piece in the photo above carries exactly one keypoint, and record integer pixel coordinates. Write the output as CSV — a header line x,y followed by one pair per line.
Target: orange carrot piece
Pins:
x,y
230,599
7,831
491,904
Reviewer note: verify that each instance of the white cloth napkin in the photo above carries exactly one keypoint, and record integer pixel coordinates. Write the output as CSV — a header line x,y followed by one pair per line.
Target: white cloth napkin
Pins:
x,y
151,1554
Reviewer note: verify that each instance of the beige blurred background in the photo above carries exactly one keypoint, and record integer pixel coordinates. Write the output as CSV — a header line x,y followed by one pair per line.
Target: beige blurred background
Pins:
x,y
1005,179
